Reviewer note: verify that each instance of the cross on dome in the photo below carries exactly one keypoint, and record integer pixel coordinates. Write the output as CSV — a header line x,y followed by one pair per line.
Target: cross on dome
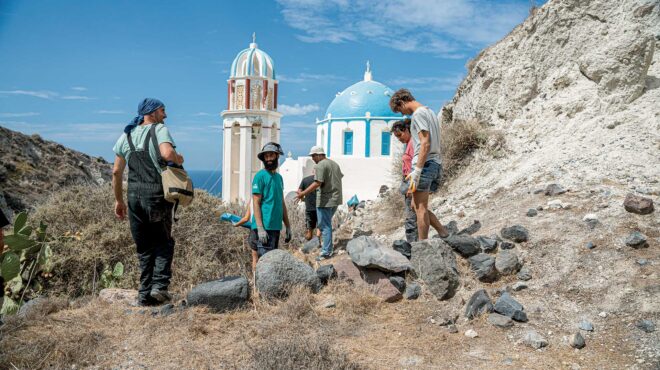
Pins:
x,y
367,73
253,45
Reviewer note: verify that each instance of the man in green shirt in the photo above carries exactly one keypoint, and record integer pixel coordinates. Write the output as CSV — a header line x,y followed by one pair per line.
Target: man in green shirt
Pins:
x,y
146,143
328,187
269,206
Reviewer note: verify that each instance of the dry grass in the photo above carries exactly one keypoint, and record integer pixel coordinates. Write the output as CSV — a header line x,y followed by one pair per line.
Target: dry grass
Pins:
x,y
205,247
460,139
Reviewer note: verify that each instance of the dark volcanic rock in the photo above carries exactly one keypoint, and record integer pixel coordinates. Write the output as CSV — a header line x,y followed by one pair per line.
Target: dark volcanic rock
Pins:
x,y
637,204
508,306
221,295
483,266
413,291
577,341
507,262
500,320
398,282
637,240
476,225
325,273
532,212
435,263
278,271
517,233
478,304
553,190
464,245
487,244
402,247
366,252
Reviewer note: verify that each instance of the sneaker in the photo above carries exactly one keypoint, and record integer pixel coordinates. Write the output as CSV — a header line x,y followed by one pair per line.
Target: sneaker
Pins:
x,y
160,295
144,302
322,257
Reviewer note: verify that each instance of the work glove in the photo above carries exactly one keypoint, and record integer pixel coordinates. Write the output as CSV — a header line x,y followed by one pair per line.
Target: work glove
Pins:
x,y
287,234
413,178
263,235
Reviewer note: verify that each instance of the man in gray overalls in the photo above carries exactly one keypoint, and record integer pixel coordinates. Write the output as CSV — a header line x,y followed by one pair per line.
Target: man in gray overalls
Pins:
x,y
147,146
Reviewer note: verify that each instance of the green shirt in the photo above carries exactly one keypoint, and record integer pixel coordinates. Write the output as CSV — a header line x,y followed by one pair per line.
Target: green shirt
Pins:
x,y
138,135
271,187
329,194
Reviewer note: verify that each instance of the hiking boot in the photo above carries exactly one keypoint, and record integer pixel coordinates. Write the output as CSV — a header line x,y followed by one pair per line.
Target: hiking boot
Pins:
x,y
144,302
160,295
322,257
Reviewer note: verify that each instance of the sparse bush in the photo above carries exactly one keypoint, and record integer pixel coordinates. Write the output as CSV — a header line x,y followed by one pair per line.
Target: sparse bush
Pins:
x,y
460,139
205,247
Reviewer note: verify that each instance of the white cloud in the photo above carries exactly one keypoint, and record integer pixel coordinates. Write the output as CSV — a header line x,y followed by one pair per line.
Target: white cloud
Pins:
x,y
297,109
203,114
103,111
76,97
448,28
15,115
79,88
43,94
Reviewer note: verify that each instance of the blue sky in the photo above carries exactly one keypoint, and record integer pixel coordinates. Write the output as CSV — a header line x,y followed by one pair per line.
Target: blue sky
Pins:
x,y
74,71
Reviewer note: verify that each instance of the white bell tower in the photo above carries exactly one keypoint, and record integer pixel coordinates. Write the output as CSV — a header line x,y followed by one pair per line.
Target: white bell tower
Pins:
x,y
250,121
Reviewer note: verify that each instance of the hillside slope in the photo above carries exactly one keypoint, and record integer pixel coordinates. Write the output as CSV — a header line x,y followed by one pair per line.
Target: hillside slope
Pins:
x,y
32,168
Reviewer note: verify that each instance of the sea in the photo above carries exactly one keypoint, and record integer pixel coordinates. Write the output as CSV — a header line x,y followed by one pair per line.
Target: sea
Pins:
x,y
211,181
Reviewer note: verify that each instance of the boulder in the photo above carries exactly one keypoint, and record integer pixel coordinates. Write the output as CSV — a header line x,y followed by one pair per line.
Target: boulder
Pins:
x,y
487,244
413,291
507,262
311,245
500,320
508,306
435,263
534,340
402,247
278,271
382,286
636,240
483,266
476,225
553,190
398,282
346,270
325,273
367,252
517,233
221,295
464,245
478,304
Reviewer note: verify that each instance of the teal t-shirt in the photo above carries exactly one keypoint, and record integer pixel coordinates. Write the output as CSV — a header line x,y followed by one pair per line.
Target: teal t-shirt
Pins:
x,y
271,187
138,135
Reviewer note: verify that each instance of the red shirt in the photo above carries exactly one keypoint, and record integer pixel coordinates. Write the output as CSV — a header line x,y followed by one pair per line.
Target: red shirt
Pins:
x,y
407,158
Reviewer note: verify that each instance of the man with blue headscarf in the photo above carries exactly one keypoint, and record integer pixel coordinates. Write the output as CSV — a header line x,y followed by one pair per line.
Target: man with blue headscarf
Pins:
x,y
146,146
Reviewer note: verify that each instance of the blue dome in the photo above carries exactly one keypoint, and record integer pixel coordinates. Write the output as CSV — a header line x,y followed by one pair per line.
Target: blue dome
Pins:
x,y
360,98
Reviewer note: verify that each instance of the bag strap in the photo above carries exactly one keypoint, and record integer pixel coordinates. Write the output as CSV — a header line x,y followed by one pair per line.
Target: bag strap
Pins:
x,y
176,207
130,142
154,141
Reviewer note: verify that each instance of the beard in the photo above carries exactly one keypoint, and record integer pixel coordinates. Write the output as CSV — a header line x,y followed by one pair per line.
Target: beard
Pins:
x,y
270,165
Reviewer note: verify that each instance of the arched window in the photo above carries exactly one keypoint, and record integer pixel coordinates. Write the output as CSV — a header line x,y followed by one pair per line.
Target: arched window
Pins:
x,y
385,140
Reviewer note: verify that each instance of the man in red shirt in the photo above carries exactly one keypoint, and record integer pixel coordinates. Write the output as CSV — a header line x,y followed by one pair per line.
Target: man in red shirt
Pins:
x,y
401,129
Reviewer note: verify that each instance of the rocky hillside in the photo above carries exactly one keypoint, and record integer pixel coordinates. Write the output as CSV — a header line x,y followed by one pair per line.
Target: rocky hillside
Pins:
x,y
32,168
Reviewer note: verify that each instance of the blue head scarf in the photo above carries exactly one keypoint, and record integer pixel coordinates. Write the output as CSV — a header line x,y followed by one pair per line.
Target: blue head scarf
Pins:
x,y
147,106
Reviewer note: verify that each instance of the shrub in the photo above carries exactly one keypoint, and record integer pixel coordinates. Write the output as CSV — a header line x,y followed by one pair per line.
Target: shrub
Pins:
x,y
205,247
460,139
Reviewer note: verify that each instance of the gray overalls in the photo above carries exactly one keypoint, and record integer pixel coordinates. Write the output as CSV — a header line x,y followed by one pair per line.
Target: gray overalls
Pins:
x,y
150,217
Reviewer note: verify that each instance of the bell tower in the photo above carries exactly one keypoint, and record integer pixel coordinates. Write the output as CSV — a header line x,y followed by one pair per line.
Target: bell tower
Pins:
x,y
250,121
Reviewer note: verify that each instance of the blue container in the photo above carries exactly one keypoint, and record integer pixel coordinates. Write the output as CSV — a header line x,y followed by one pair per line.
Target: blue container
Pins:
x,y
230,217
